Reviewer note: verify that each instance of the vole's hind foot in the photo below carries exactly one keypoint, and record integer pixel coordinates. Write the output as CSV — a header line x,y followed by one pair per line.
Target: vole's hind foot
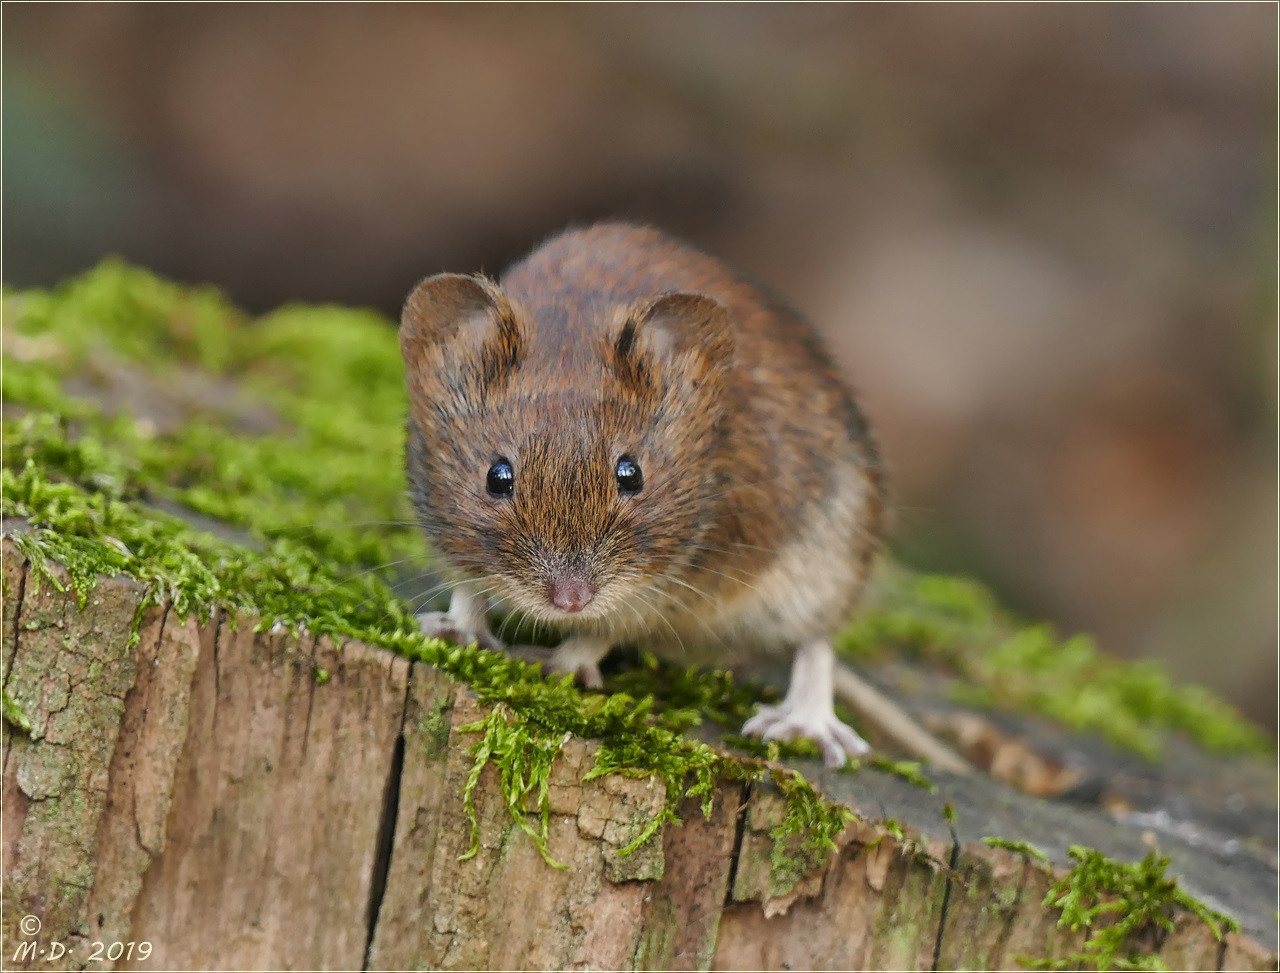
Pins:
x,y
807,712
835,740
581,656
443,625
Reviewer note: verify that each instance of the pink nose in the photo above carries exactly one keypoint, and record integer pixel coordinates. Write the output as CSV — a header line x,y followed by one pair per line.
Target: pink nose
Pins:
x,y
571,594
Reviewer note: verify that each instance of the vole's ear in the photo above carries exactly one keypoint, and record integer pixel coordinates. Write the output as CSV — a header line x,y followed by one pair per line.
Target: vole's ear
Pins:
x,y
453,318
681,334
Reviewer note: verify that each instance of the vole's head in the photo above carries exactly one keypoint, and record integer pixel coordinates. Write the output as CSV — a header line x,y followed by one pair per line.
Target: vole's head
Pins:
x,y
571,476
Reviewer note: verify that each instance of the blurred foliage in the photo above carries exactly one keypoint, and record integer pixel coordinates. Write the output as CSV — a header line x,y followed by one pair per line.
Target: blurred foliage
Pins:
x,y
956,622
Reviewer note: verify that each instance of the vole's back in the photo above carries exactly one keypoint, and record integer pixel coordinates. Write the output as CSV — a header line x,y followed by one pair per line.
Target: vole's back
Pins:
x,y
803,503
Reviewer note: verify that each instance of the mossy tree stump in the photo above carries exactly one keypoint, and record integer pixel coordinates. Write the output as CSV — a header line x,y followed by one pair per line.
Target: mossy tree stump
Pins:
x,y
188,786
241,799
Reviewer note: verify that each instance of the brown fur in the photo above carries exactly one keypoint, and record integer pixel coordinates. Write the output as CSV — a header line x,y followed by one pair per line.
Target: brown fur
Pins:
x,y
763,500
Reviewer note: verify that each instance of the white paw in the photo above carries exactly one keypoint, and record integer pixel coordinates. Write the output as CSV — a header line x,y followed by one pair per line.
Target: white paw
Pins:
x,y
581,657
442,625
835,740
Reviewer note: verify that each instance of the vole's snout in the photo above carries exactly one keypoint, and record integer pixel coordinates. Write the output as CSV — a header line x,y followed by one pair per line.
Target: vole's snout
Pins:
x,y
570,593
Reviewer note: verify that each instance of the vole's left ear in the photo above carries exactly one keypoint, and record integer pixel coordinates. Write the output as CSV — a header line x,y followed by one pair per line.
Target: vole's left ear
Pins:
x,y
453,307
462,327
677,332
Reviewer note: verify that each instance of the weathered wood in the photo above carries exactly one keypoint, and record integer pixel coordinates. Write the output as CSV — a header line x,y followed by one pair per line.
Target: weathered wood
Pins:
x,y
133,830
995,913
277,805
506,908
1243,953
70,671
209,792
682,921
404,917
875,905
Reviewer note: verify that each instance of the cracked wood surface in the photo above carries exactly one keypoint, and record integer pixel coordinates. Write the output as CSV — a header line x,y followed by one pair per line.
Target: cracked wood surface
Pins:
x,y
205,792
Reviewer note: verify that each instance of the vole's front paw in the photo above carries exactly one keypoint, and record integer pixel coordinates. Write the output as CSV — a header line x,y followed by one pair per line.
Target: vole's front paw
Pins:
x,y
580,656
442,625
833,738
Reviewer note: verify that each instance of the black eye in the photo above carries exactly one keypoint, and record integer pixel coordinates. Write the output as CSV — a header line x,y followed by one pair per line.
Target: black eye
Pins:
x,y
630,479
501,479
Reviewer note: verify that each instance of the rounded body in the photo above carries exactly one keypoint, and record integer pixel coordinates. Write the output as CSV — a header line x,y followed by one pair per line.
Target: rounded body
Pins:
x,y
613,356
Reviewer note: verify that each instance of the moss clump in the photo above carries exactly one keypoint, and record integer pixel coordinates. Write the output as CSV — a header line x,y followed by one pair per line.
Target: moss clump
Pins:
x,y
1124,907
325,383
1021,847
685,696
807,834
523,754
957,623
14,716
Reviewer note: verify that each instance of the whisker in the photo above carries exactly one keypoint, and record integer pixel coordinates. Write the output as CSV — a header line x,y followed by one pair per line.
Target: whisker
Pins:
x,y
507,620
641,624
407,600
422,599
703,624
745,584
354,578
645,600
310,525
685,584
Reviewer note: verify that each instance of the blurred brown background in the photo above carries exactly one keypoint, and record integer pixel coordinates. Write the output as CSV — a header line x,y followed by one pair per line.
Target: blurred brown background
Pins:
x,y
1041,238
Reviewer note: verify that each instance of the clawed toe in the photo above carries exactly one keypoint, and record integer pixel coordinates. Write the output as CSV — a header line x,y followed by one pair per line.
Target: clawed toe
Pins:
x,y
580,656
442,625
758,725
585,674
834,740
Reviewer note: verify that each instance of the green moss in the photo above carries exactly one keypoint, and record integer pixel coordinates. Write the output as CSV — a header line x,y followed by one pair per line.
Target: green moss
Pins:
x,y
91,534
14,716
523,754
891,827
131,313
686,768
1121,906
434,728
909,770
327,382
1021,847
956,623
686,696
806,837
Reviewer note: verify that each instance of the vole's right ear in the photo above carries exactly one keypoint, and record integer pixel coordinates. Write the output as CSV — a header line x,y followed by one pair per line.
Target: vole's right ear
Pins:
x,y
453,317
